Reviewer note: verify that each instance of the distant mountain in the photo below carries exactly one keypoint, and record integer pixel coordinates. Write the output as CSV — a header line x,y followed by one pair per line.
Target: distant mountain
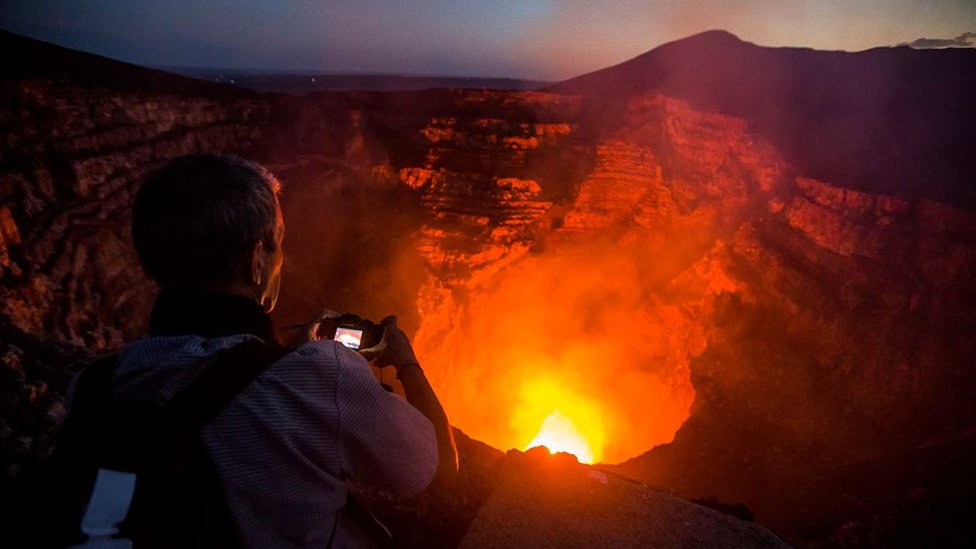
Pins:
x,y
302,83
896,120
25,59
28,58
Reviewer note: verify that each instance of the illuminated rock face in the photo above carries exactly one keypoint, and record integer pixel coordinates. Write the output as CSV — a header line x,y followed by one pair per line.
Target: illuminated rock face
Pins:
x,y
694,264
591,308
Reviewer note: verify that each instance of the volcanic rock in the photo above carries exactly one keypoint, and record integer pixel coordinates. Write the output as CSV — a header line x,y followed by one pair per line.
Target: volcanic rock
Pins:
x,y
553,501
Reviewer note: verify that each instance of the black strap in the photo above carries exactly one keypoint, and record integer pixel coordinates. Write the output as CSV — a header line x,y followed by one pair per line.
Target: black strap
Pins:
x,y
222,380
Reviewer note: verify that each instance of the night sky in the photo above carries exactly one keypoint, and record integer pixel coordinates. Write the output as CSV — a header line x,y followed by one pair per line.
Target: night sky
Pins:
x,y
533,39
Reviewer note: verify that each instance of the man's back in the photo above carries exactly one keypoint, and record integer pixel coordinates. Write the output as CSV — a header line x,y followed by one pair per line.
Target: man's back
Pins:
x,y
285,444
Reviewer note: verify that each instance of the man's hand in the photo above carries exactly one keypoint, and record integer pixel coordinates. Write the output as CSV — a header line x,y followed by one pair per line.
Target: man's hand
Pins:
x,y
394,349
311,333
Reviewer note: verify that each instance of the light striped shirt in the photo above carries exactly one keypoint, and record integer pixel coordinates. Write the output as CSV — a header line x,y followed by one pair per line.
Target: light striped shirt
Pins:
x,y
285,444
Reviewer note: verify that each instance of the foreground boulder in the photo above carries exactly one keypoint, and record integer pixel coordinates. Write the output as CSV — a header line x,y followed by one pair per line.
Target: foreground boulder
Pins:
x,y
541,500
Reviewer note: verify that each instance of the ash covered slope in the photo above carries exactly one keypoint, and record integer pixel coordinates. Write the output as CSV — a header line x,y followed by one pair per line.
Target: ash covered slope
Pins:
x,y
544,501
892,120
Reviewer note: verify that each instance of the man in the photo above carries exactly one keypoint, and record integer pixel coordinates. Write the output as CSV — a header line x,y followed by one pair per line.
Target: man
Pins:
x,y
208,229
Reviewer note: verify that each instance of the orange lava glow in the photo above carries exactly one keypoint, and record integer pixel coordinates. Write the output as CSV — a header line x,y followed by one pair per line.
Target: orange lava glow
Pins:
x,y
552,415
559,434
572,351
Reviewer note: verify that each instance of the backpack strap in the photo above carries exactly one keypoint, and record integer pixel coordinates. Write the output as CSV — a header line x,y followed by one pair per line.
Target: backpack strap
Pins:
x,y
223,379
179,500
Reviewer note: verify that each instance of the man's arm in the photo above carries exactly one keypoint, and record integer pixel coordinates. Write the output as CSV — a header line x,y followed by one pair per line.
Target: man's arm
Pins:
x,y
399,353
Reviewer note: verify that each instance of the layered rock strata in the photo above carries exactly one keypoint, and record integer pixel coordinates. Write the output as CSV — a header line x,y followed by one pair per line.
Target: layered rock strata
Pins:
x,y
817,324
71,161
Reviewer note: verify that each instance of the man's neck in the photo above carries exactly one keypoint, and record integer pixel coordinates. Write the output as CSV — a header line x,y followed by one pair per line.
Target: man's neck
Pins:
x,y
209,313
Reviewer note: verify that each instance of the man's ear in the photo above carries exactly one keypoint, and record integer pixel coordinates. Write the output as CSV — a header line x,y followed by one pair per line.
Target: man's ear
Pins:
x,y
257,262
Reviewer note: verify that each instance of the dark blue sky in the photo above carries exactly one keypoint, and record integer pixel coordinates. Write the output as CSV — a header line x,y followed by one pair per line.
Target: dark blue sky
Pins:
x,y
536,39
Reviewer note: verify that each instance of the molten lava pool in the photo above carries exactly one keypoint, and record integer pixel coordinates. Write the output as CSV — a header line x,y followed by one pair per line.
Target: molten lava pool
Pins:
x,y
573,423
573,354
559,434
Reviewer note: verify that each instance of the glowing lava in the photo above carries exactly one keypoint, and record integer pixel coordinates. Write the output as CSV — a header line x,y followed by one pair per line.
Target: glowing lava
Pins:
x,y
579,331
558,434
554,414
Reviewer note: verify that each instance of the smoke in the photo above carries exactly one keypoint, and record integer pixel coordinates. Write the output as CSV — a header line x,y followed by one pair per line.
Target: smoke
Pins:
x,y
579,332
349,246
964,40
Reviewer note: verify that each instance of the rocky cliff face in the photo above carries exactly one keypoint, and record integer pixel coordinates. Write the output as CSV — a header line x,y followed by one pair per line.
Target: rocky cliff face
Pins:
x,y
638,214
72,159
742,328
843,347
823,331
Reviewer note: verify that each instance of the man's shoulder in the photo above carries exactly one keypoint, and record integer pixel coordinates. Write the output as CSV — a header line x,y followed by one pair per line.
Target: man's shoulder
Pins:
x,y
159,366
152,350
318,361
325,351
170,362
329,351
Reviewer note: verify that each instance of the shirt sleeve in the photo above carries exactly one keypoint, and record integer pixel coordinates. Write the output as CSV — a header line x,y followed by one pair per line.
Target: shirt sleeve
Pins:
x,y
383,440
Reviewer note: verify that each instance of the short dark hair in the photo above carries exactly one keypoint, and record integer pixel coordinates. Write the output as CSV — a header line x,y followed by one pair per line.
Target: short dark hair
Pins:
x,y
196,219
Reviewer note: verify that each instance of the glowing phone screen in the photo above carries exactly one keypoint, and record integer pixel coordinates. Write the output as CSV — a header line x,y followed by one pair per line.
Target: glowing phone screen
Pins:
x,y
349,337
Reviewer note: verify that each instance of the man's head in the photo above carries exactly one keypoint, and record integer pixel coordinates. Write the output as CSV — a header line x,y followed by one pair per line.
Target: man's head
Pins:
x,y
211,222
